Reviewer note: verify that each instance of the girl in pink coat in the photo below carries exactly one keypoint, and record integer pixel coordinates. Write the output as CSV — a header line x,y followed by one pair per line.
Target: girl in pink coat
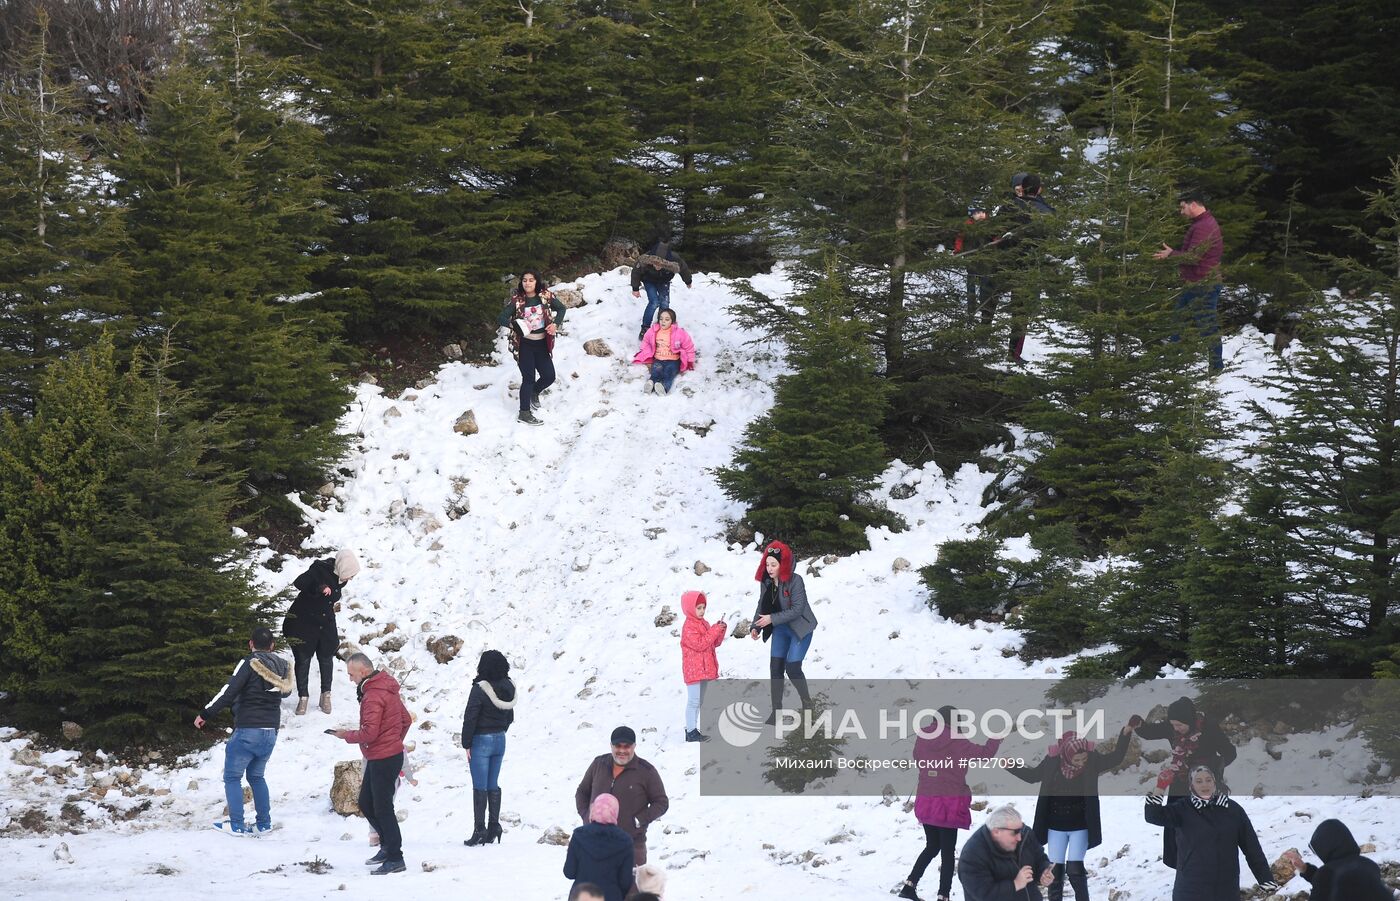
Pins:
x,y
699,664
668,350
944,802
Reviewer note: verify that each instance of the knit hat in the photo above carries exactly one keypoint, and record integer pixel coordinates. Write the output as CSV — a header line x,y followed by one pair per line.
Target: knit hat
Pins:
x,y
975,208
623,735
651,878
1018,178
1070,744
346,565
1183,711
603,810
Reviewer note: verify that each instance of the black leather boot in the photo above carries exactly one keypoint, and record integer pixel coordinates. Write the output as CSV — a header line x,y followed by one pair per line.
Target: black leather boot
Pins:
x,y
479,817
493,826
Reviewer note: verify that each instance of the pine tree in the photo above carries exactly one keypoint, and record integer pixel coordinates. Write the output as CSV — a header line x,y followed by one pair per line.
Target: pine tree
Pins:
x,y
209,245
61,273
706,110
1330,460
132,592
805,467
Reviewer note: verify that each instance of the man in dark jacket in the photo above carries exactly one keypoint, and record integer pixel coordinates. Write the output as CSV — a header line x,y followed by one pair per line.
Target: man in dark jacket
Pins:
x,y
1003,860
310,625
1027,210
654,270
1344,875
1199,258
384,722
636,784
1196,741
255,691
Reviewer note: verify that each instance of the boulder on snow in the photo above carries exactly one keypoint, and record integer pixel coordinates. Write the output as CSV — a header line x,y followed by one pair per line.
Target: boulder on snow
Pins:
x,y
452,351
554,836
620,252
900,565
902,491
665,617
424,383
597,347
571,298
345,787
393,644
466,424
701,568
445,648
392,413
741,629
71,730
326,490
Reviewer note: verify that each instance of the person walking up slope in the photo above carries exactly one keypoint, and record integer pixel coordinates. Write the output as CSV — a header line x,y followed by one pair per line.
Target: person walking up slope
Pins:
x,y
255,691
384,722
699,663
310,626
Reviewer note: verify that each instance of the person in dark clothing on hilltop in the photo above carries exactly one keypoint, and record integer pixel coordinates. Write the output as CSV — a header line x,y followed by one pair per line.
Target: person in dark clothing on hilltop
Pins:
x,y
1344,875
654,270
785,614
635,783
384,721
600,852
1026,210
1211,831
310,626
1004,860
1067,819
1199,258
1196,740
490,711
532,316
255,691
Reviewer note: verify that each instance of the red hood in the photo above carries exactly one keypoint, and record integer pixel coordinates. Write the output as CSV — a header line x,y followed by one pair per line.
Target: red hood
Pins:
x,y
784,562
689,600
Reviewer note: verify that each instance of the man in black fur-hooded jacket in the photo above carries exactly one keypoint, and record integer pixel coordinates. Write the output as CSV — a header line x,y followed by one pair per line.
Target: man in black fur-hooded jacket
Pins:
x,y
255,691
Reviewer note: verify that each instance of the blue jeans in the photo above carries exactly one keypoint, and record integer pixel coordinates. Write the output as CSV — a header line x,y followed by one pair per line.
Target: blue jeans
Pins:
x,y
1062,847
247,751
487,753
787,645
694,697
658,298
665,372
1199,303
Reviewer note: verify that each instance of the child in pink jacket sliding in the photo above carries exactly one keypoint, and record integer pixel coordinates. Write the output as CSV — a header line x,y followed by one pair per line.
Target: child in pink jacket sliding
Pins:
x,y
668,350
699,664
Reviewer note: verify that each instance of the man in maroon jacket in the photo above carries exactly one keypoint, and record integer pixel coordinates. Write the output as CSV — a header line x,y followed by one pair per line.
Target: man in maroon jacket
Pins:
x,y
1200,269
384,722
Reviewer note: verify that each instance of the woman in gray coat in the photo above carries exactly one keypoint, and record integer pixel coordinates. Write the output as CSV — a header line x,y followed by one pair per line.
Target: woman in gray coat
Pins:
x,y
784,615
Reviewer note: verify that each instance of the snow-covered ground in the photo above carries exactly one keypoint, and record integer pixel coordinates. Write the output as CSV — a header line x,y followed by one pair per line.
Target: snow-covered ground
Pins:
x,y
577,533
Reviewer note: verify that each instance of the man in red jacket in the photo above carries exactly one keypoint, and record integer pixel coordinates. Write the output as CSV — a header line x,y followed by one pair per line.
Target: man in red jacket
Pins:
x,y
1199,256
384,722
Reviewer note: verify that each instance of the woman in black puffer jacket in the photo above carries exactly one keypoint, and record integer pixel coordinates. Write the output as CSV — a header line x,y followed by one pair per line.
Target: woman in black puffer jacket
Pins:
x,y
490,711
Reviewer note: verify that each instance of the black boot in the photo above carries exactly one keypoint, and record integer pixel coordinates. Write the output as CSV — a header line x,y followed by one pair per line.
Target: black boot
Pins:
x,y
775,688
1078,879
479,817
1055,891
493,828
799,682
908,893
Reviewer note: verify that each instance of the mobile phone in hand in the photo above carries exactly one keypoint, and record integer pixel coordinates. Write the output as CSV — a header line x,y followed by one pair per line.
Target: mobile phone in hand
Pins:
x,y
329,731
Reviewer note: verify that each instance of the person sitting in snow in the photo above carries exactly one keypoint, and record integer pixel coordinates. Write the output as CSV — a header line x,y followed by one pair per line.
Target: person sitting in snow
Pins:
x,y
1067,811
654,270
667,348
699,664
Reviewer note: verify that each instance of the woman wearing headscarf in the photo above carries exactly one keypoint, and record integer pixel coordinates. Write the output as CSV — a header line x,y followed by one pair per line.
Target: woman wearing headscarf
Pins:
x,y
490,711
1196,740
600,852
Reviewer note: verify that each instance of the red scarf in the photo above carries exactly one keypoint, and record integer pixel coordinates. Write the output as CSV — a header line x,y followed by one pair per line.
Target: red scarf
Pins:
x,y
1069,745
1183,748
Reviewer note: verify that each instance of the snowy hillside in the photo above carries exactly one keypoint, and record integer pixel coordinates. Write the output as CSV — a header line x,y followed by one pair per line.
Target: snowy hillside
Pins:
x,y
559,545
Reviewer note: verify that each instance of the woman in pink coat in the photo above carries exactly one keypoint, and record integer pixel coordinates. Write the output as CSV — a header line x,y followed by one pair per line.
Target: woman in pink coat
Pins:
x,y
699,664
667,348
944,802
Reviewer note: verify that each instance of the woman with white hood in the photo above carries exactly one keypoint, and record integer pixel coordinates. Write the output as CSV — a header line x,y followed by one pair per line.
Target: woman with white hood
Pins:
x,y
310,626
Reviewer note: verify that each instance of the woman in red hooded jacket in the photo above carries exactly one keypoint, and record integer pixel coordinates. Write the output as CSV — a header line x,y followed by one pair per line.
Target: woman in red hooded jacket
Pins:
x,y
784,615
699,664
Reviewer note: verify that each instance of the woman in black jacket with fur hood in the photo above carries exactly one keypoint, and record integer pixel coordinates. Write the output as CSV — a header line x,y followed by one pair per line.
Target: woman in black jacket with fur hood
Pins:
x,y
490,711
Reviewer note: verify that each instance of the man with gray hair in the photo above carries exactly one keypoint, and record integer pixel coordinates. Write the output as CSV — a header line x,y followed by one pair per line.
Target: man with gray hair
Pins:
x,y
1002,859
384,722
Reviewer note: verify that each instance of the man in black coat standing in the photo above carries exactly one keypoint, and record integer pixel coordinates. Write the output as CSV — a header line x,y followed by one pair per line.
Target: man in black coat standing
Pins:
x,y
310,625
1004,860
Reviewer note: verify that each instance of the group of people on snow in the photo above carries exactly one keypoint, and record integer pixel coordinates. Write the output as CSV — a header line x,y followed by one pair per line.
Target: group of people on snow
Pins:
x,y
533,316
999,245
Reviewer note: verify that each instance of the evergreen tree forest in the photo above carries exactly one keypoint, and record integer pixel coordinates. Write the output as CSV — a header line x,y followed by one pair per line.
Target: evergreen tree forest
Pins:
x,y
211,215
